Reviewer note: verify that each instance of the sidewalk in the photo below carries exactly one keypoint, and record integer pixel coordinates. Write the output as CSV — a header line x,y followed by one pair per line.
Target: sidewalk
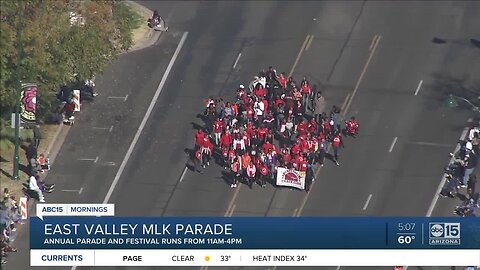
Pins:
x,y
51,144
453,190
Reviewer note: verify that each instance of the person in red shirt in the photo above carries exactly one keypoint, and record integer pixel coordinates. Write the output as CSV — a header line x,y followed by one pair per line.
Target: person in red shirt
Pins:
x,y
305,146
278,101
282,79
302,127
337,142
226,140
250,129
236,171
199,136
262,133
217,130
267,146
312,126
206,148
264,172
302,164
295,149
351,127
260,91
306,91
250,113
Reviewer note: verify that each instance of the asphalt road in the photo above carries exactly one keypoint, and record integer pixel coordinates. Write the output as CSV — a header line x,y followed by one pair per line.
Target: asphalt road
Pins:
x,y
396,161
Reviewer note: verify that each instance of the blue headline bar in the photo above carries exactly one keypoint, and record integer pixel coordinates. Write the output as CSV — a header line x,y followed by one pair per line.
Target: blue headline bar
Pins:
x,y
253,233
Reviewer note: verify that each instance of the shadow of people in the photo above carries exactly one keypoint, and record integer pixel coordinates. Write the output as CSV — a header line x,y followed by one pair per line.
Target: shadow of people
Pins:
x,y
31,151
475,42
6,173
196,126
437,40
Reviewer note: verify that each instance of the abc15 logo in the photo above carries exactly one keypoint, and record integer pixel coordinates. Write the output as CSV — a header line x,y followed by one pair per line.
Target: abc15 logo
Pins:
x,y
444,230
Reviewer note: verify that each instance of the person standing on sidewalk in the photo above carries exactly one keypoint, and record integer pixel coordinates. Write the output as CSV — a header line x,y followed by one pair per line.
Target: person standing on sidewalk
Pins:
x,y
37,136
471,185
470,164
33,186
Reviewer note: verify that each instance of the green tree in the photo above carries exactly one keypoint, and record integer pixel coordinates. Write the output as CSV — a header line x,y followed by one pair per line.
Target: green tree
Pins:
x,y
55,47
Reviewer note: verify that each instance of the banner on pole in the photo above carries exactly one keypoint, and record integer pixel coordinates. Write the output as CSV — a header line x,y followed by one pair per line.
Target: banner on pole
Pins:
x,y
76,100
28,103
290,178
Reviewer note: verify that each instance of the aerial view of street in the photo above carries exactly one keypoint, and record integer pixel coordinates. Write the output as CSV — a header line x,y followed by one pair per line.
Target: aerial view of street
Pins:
x,y
374,103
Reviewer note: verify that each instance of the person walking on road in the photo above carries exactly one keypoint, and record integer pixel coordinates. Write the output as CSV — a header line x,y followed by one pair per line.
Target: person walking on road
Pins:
x,y
197,160
236,169
264,172
337,142
322,149
319,105
251,174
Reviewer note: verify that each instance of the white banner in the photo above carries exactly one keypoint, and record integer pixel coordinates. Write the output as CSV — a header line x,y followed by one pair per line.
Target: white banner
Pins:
x,y
290,178
76,99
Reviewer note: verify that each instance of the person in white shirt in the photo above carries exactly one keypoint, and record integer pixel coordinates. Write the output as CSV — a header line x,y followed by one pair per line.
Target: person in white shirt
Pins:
x,y
259,108
33,186
90,87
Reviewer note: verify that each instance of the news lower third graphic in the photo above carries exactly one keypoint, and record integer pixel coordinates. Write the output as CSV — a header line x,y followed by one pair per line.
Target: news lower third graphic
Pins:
x,y
90,235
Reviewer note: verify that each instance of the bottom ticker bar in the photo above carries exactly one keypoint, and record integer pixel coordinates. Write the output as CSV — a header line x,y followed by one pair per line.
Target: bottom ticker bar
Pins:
x,y
254,257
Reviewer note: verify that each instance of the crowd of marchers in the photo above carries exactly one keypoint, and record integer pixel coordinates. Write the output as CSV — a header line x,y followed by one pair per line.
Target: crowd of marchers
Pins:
x,y
273,122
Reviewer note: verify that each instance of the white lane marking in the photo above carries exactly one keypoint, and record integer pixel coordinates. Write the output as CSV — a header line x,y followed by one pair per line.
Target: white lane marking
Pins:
x,y
444,179
299,55
418,87
80,191
111,128
87,159
393,144
431,144
70,190
96,160
364,70
145,118
374,41
183,174
236,61
144,121
101,128
367,202
338,267
309,43
125,99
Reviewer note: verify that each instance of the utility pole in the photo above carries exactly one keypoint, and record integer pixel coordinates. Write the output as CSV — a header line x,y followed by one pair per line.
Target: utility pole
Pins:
x,y
16,158
452,102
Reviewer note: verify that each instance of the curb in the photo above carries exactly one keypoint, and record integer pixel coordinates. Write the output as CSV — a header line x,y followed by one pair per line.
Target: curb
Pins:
x,y
152,35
